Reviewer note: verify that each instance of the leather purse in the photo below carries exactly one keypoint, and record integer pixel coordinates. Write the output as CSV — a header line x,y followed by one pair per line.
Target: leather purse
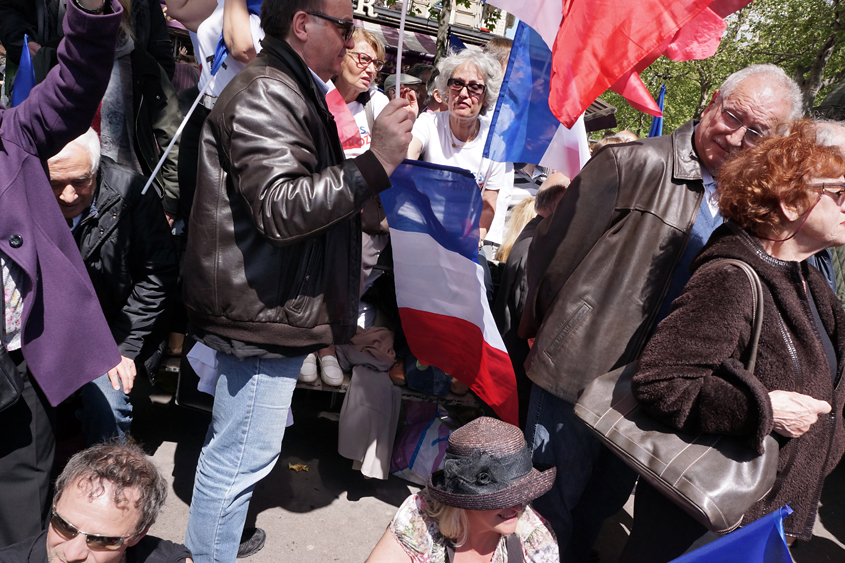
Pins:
x,y
11,382
714,478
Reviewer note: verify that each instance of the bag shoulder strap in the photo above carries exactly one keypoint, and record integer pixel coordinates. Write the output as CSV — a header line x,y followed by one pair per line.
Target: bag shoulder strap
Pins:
x,y
757,299
371,119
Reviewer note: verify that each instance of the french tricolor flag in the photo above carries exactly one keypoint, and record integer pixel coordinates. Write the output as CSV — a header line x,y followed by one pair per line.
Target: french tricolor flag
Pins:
x,y
433,213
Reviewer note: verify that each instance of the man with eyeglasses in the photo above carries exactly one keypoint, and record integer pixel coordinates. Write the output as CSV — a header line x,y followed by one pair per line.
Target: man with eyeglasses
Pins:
x,y
273,260
106,500
603,271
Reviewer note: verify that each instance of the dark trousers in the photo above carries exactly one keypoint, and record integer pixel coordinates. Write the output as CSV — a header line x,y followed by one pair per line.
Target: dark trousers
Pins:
x,y
27,448
662,531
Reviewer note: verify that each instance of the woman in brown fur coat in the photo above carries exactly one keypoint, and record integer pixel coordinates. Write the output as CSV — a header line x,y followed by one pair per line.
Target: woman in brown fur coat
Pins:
x,y
784,200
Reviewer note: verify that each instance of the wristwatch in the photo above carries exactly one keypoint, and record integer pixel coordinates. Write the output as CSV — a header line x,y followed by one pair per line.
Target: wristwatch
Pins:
x,y
95,11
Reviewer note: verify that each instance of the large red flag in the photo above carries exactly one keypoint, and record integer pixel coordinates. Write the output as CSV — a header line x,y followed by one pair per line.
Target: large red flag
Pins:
x,y
604,44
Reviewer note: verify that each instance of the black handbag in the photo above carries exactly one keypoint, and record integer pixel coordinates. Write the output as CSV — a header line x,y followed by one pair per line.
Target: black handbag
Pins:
x,y
714,478
11,382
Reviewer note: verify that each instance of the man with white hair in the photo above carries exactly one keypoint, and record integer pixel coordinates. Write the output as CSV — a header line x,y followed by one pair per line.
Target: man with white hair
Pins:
x,y
603,270
126,246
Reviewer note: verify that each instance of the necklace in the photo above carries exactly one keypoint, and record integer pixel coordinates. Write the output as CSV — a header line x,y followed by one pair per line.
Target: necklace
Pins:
x,y
456,142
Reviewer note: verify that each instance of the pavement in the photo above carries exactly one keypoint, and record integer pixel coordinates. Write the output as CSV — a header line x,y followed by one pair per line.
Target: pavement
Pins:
x,y
330,512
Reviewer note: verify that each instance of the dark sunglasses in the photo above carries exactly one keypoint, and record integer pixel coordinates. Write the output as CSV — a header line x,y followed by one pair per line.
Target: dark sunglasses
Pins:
x,y
364,60
94,541
346,26
473,88
837,195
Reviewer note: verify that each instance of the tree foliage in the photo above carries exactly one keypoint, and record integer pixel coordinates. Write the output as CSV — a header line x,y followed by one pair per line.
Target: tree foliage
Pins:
x,y
804,37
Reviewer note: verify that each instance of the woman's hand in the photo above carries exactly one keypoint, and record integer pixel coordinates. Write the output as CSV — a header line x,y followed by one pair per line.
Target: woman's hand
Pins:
x,y
794,413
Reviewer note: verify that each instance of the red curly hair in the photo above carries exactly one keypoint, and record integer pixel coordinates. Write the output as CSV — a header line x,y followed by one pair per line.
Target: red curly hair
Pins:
x,y
754,182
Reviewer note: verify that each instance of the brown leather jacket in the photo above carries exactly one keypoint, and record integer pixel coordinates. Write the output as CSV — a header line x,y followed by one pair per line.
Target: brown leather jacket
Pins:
x,y
274,245
600,266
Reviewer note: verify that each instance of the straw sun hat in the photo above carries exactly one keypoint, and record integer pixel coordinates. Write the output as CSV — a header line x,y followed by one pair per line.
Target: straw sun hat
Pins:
x,y
488,467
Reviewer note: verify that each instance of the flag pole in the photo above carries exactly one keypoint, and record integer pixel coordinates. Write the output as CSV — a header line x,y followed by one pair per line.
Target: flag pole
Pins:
x,y
399,48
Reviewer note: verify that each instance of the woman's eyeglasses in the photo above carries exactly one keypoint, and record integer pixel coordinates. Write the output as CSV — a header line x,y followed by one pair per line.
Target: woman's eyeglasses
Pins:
x,y
473,88
364,60
838,195
346,26
94,541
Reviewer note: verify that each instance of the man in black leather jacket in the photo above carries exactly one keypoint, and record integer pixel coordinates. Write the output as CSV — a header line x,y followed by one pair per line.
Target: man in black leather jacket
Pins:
x,y
128,251
273,261
603,270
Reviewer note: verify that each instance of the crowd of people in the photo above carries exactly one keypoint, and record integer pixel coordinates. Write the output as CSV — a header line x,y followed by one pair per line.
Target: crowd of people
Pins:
x,y
263,239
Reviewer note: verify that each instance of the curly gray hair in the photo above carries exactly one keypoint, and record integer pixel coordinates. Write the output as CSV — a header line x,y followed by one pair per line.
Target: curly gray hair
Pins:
x,y
486,64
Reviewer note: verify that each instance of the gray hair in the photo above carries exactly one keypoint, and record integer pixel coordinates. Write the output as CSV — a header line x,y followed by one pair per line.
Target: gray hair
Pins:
x,y
90,143
830,133
486,64
123,466
773,74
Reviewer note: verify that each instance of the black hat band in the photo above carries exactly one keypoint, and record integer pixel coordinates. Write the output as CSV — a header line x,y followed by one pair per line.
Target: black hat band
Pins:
x,y
480,473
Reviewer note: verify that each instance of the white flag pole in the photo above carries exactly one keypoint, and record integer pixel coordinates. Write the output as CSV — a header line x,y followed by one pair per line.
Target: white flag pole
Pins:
x,y
176,136
399,48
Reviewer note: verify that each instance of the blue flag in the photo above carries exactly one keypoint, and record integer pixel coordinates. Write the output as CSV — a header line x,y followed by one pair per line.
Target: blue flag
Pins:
x,y
455,44
523,128
761,541
25,77
657,122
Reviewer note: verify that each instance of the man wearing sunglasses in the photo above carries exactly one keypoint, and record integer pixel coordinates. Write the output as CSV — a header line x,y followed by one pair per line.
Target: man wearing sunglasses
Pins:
x,y
273,261
106,500
603,270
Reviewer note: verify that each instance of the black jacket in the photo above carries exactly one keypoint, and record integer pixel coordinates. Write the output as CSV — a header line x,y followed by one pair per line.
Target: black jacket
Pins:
x,y
129,253
600,266
274,243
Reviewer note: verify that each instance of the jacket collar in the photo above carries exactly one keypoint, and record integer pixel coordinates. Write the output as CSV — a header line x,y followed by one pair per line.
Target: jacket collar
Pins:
x,y
686,165
296,67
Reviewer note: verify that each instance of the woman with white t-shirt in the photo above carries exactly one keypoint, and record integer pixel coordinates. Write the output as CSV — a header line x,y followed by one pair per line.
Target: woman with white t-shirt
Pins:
x,y
470,81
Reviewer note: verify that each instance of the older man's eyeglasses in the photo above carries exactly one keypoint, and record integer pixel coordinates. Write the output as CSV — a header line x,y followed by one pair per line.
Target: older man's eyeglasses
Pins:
x,y
346,26
752,136
838,195
364,60
473,88
94,541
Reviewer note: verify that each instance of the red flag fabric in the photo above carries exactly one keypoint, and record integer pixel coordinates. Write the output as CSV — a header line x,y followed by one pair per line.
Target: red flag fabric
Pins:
x,y
347,129
605,43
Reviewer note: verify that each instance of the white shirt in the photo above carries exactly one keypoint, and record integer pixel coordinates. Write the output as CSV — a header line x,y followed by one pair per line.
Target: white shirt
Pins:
x,y
378,101
433,131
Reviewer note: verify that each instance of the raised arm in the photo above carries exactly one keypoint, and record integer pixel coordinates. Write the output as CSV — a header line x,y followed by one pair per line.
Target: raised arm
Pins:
x,y
190,13
62,107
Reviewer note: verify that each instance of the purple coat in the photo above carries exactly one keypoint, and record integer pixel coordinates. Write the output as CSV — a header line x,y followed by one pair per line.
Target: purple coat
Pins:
x,y
66,341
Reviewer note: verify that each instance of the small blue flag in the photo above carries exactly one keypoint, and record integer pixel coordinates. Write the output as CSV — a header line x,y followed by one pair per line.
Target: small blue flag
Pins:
x,y
25,77
761,541
657,122
455,44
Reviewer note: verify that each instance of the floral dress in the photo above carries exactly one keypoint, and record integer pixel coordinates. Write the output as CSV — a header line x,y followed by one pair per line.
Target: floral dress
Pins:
x,y
421,539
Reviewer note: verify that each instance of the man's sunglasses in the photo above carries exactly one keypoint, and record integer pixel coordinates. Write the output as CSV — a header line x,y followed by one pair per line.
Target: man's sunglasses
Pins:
x,y
94,541
837,195
364,60
346,26
473,88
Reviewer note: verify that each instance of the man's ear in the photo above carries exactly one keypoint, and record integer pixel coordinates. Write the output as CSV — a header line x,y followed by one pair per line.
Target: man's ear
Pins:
x,y
715,96
297,28
789,212
135,539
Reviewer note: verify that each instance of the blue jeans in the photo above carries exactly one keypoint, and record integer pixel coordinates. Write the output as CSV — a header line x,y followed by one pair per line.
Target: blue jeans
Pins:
x,y
243,443
106,411
591,485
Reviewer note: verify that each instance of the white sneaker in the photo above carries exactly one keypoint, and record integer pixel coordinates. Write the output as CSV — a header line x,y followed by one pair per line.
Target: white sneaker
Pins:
x,y
308,371
330,371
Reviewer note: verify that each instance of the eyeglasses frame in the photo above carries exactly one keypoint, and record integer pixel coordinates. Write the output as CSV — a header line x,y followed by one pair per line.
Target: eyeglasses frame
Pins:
x,y
348,26
452,82
837,196
749,141
377,63
119,540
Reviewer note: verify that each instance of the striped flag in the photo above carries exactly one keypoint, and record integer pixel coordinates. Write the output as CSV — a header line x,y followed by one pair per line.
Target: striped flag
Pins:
x,y
433,213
